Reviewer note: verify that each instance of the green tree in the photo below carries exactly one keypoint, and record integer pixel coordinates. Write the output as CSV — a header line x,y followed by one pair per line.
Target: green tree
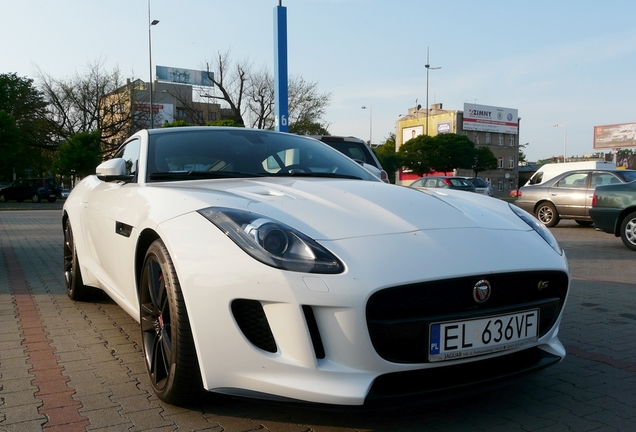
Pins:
x,y
79,155
419,154
25,131
484,160
454,151
390,160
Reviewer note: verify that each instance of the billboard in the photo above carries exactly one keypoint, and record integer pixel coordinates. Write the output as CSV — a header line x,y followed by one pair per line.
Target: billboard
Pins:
x,y
184,76
615,136
490,119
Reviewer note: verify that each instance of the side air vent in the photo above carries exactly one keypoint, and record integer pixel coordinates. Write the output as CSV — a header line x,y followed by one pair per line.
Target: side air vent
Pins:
x,y
251,319
316,340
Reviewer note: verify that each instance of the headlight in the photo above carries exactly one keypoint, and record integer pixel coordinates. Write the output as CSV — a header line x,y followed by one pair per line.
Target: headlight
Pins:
x,y
538,227
272,242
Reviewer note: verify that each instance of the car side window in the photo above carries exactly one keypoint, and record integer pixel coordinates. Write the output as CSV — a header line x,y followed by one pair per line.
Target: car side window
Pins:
x,y
130,153
574,180
599,179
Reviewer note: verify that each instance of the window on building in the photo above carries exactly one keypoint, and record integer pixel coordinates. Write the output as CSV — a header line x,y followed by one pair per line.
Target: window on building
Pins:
x,y
511,162
181,114
475,138
511,185
488,138
211,116
500,162
488,180
501,139
511,141
500,183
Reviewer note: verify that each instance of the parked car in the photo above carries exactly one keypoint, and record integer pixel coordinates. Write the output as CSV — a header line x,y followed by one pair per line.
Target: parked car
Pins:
x,y
481,186
35,189
357,150
65,193
614,211
250,258
568,195
444,182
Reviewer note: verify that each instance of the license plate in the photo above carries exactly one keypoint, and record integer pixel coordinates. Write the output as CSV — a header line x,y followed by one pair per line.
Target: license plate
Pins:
x,y
459,339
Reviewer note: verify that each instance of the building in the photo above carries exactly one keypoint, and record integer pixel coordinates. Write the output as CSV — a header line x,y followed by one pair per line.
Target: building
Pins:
x,y
493,127
130,104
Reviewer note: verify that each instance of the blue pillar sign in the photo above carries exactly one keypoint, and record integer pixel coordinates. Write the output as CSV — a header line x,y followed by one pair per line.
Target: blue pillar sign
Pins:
x,y
281,121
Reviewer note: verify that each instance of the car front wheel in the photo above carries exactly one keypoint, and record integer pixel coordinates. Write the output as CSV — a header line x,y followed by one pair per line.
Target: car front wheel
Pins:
x,y
547,214
36,198
170,356
628,231
3,198
75,287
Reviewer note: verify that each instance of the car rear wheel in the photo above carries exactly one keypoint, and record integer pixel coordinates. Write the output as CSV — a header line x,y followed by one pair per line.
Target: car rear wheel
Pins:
x,y
628,231
3,198
547,214
75,287
171,359
36,198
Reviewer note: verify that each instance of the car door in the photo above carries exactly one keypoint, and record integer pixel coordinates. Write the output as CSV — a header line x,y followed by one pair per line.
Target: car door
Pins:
x,y
569,194
99,219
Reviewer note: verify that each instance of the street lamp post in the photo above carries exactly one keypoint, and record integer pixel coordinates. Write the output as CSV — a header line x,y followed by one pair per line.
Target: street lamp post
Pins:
x,y
370,123
150,24
565,140
428,66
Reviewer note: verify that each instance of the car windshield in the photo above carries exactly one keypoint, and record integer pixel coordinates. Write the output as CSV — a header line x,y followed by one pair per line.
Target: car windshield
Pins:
x,y
235,153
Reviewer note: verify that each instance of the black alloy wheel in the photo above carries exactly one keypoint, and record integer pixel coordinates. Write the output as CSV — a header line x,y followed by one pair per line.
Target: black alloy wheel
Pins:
x,y
75,287
169,352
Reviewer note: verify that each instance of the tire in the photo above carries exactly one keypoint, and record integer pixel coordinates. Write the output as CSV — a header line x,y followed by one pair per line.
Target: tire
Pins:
x,y
547,214
51,199
36,198
75,288
628,231
3,198
584,223
169,352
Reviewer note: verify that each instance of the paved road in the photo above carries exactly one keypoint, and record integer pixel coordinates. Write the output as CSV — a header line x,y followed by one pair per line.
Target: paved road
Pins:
x,y
78,366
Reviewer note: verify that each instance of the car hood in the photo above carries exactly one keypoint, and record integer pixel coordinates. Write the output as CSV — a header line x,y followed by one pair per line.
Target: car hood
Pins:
x,y
337,209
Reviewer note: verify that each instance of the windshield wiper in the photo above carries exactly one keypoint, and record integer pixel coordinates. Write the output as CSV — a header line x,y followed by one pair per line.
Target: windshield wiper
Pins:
x,y
189,175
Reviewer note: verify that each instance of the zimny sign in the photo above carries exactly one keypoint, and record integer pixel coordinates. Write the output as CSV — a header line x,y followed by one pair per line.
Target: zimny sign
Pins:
x,y
490,119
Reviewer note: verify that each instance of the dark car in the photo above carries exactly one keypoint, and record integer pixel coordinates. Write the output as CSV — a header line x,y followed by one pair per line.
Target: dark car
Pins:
x,y
568,195
444,182
35,189
614,211
357,150
481,186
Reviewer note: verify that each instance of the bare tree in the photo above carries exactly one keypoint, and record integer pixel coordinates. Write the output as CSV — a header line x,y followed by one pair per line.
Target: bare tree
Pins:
x,y
96,100
230,80
250,96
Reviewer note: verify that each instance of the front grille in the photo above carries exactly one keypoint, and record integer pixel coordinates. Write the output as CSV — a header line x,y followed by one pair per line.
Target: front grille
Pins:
x,y
252,321
398,318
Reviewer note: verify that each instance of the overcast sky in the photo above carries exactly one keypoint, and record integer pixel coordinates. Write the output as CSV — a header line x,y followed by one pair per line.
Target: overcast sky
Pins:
x,y
567,62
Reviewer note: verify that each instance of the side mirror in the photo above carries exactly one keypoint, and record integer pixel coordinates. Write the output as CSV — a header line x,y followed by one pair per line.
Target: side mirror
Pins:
x,y
113,170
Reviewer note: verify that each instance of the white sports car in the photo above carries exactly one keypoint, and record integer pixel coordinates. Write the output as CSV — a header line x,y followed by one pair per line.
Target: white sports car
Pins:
x,y
269,265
